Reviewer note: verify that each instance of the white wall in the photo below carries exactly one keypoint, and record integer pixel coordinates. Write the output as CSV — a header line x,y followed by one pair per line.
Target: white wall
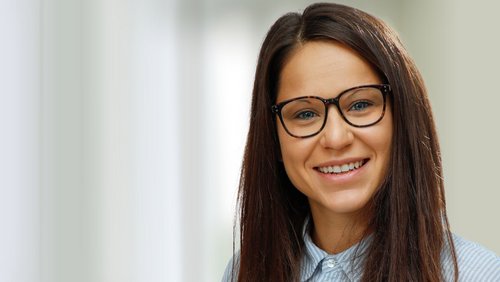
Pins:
x,y
472,60
455,44
19,140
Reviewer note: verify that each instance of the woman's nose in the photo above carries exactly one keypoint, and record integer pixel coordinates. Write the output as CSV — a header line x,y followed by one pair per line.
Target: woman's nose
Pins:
x,y
337,133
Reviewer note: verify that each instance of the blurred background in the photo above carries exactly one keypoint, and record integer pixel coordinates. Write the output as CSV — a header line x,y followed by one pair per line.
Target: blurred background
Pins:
x,y
123,126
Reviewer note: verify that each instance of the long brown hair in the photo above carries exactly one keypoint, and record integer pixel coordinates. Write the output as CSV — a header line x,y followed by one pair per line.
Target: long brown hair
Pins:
x,y
410,226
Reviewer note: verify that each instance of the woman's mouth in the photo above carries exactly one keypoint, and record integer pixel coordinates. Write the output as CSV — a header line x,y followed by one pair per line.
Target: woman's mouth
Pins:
x,y
343,168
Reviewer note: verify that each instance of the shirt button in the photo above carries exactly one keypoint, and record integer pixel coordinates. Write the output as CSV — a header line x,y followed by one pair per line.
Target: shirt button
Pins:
x,y
330,263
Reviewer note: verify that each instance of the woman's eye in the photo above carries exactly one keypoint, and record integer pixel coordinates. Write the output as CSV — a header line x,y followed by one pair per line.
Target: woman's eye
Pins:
x,y
359,106
306,115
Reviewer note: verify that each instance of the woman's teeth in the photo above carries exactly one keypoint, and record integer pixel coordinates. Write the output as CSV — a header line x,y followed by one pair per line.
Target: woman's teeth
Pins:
x,y
341,168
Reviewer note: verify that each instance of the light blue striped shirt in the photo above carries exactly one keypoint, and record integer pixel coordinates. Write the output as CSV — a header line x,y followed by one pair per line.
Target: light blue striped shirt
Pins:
x,y
475,263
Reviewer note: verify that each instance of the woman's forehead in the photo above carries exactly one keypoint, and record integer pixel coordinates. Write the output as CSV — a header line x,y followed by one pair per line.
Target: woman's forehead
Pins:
x,y
323,68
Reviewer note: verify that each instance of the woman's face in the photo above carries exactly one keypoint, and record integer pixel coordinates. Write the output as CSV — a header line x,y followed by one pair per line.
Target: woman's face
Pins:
x,y
325,69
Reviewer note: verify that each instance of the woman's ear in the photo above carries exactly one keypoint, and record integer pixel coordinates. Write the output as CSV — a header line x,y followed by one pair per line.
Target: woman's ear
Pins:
x,y
278,146
280,157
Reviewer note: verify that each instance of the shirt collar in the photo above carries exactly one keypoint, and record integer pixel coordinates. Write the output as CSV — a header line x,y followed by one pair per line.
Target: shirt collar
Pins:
x,y
314,256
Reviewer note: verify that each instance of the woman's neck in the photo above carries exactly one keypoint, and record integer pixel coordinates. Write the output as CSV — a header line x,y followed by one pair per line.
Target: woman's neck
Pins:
x,y
335,233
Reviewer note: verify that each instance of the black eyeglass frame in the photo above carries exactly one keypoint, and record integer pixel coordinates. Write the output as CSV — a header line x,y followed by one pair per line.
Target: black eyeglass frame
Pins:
x,y
384,88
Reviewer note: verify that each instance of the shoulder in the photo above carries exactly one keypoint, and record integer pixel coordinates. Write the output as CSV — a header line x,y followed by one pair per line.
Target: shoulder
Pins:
x,y
231,272
475,262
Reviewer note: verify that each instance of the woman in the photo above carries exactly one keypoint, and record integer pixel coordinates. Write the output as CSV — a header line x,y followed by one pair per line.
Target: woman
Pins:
x,y
342,176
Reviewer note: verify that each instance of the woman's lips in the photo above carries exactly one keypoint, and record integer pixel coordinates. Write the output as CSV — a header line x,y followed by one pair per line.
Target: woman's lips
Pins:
x,y
342,168
342,172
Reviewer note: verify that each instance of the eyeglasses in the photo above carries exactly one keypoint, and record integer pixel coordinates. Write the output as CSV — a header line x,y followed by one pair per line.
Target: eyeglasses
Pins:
x,y
306,116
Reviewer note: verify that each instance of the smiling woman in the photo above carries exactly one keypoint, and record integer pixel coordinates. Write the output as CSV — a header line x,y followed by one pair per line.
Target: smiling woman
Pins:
x,y
315,165
351,192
